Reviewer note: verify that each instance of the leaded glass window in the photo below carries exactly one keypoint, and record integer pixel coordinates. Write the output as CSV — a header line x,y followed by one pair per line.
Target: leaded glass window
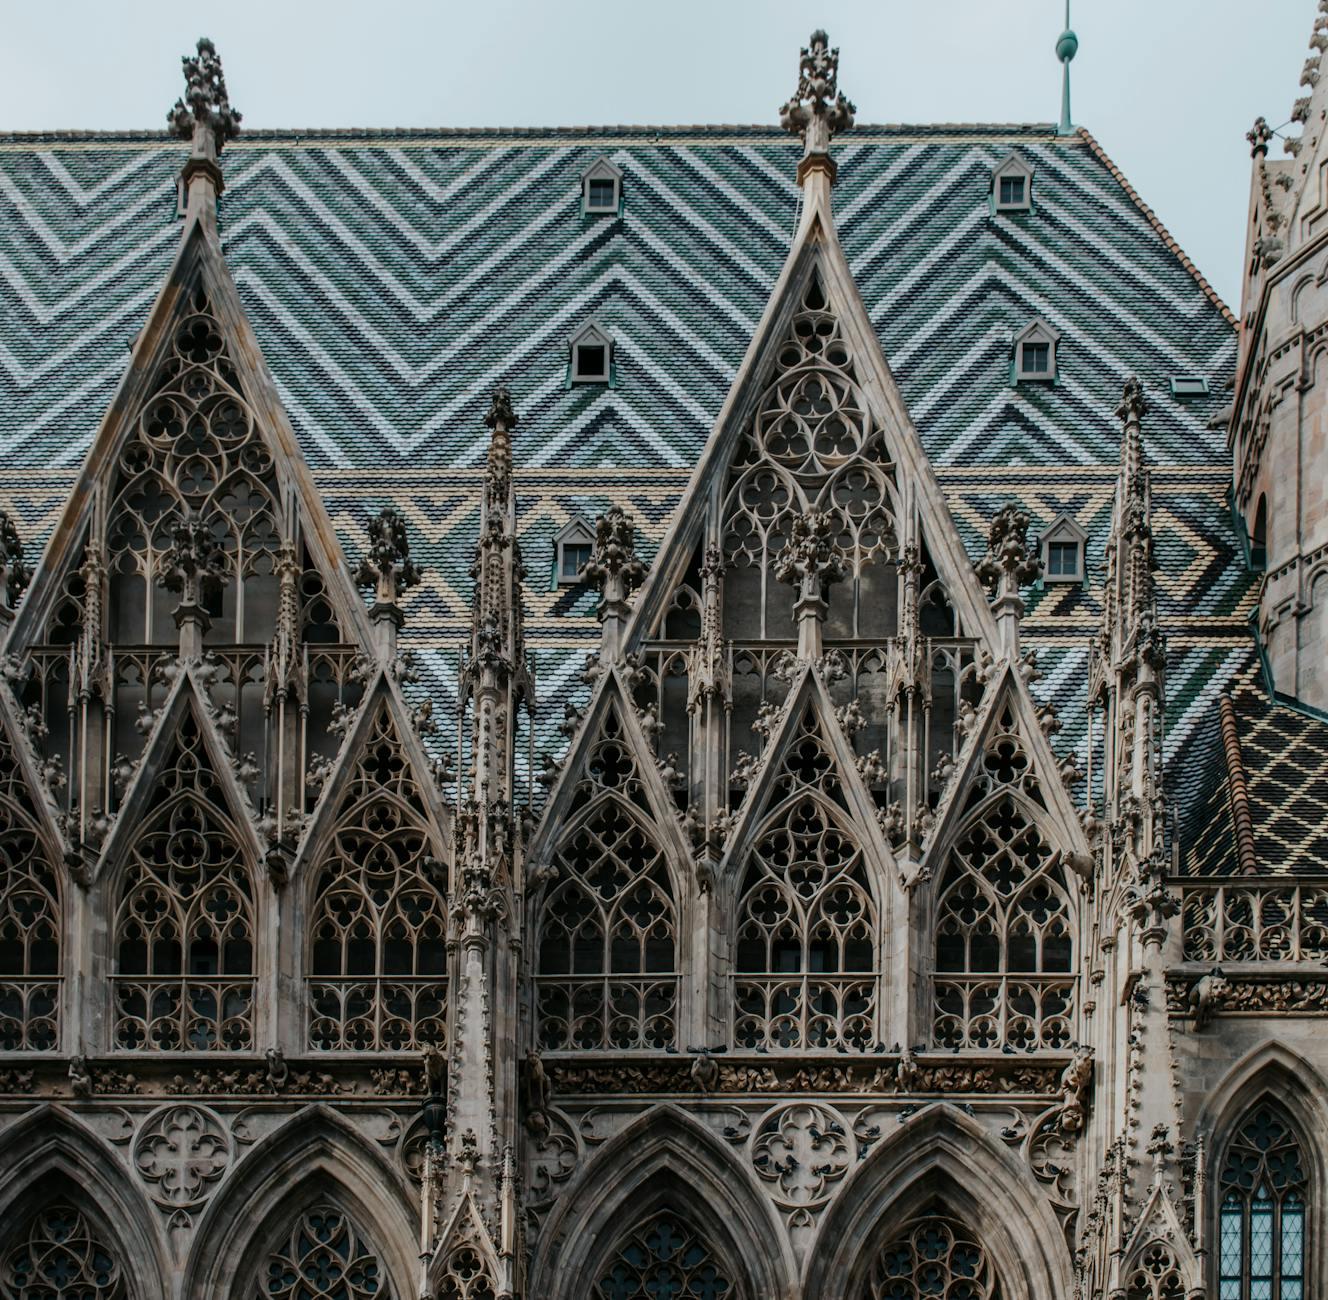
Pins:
x,y
933,1256
663,1259
184,927
324,1258
378,956
805,964
1005,928
59,1255
1261,1220
29,923
608,927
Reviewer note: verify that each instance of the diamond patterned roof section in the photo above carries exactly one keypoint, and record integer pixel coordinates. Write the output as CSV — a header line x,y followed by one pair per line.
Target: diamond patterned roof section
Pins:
x,y
393,277
1284,756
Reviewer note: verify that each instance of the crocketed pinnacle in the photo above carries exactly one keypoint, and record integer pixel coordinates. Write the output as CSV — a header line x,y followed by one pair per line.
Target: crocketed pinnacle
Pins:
x,y
205,103
817,110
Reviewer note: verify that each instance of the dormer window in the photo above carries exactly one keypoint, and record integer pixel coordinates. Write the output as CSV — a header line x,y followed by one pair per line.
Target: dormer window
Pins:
x,y
571,552
592,355
601,189
1012,185
1063,551
1035,353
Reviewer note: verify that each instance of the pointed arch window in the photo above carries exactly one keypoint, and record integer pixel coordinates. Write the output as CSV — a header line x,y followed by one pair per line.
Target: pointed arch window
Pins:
x,y
184,926
467,1277
808,937
1262,1215
932,1255
1005,920
663,1256
30,919
608,936
324,1257
60,1255
378,938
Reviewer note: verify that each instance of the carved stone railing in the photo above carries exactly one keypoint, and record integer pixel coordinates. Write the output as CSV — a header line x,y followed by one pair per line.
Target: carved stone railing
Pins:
x,y
1024,1013
813,1012
396,1013
607,1013
30,1014
1264,921
186,1014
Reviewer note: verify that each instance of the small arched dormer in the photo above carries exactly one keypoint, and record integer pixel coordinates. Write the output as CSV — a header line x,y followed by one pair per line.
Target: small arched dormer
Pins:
x,y
591,355
1063,551
1012,184
572,545
1035,353
601,189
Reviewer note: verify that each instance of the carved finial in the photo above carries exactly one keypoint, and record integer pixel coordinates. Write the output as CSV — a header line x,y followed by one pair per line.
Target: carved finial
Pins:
x,y
500,413
193,565
388,566
1260,136
14,574
615,565
1133,407
205,103
817,110
1011,562
810,561
502,420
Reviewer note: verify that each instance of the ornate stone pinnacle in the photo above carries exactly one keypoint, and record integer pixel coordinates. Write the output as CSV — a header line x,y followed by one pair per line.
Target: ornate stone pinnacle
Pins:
x,y
614,561
1011,561
1259,136
193,562
500,410
811,555
14,574
205,102
817,110
1132,407
387,561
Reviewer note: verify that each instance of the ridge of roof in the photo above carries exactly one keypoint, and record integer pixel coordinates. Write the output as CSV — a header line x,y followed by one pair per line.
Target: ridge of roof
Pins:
x,y
1156,222
766,131
1238,789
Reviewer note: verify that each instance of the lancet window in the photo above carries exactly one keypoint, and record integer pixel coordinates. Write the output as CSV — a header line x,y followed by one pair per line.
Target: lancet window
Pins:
x,y
608,972
812,446
59,1255
29,923
378,956
184,925
192,512
808,937
324,1258
1262,1218
663,1257
1005,925
933,1255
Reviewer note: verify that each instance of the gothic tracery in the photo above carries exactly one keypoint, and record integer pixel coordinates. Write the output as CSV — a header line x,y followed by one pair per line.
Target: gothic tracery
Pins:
x,y
59,1255
323,1258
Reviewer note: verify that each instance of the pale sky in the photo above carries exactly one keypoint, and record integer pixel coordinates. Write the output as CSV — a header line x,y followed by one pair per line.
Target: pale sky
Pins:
x,y
1169,87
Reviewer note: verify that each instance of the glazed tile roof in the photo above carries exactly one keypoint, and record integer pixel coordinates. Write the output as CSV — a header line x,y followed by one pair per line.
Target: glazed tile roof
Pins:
x,y
393,277
1281,758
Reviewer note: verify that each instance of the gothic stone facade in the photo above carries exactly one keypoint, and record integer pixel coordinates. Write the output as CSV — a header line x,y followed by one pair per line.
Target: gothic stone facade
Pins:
x,y
657,713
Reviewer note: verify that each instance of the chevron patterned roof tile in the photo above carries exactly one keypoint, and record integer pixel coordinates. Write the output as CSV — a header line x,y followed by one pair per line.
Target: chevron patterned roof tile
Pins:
x,y
393,276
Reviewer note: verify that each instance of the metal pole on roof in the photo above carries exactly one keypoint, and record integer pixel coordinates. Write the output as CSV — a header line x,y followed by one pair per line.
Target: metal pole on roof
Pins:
x,y
1067,46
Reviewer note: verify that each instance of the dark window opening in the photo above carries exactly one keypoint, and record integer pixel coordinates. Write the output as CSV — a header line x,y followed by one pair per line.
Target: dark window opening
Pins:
x,y
1012,191
1063,560
1036,359
590,361
575,556
601,195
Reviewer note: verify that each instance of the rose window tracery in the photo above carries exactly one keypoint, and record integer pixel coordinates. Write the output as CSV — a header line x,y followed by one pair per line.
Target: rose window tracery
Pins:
x,y
467,1277
59,1255
29,923
184,927
663,1257
324,1258
935,1256
1005,928
806,953
608,926
378,955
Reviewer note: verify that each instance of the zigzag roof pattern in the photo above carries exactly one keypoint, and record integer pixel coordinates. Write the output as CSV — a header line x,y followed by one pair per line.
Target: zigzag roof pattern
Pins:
x,y
392,277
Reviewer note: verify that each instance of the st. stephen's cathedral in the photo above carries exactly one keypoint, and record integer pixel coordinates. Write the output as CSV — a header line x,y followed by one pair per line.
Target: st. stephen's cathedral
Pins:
x,y
706,713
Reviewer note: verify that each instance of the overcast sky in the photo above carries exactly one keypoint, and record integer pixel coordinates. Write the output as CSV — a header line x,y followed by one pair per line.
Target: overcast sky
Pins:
x,y
1169,87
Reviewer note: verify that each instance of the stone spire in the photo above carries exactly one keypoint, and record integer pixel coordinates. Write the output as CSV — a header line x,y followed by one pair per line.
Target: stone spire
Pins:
x,y
487,865
818,109
614,565
1011,562
387,566
204,117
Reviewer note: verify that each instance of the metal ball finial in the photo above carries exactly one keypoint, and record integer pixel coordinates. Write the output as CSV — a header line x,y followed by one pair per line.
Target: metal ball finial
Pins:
x,y
1067,46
